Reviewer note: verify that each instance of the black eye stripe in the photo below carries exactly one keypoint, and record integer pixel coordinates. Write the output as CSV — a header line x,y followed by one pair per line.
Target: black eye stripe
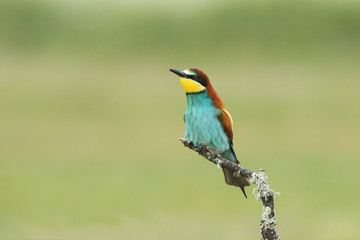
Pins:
x,y
197,79
201,81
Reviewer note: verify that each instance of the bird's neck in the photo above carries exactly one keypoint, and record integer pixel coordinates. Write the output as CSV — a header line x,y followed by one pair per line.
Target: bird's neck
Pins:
x,y
200,99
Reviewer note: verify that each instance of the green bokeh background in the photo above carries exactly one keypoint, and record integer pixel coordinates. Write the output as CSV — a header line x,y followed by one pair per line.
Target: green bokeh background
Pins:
x,y
90,117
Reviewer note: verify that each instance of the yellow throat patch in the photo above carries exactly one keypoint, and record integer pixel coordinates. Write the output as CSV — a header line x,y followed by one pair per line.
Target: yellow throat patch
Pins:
x,y
191,86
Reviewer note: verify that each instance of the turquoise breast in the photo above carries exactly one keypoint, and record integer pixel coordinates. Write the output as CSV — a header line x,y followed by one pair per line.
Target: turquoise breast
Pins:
x,y
202,123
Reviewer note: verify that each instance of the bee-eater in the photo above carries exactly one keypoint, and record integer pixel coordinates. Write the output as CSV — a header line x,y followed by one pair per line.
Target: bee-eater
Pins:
x,y
207,120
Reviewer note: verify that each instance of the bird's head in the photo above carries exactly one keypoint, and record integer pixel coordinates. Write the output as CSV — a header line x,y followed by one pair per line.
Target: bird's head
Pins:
x,y
193,80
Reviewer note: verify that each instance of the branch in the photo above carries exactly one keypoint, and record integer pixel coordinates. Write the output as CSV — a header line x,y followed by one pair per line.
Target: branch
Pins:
x,y
264,192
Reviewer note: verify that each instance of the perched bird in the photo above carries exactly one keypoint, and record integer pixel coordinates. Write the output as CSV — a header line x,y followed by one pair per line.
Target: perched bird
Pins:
x,y
207,120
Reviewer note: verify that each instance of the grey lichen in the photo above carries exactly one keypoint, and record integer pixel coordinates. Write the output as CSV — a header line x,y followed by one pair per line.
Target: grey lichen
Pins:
x,y
218,163
262,189
237,173
267,220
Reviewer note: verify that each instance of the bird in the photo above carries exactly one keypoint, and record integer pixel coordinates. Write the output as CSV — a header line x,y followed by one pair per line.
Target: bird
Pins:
x,y
207,120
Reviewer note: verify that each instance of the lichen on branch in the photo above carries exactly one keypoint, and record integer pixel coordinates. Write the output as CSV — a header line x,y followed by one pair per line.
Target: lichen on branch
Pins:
x,y
262,189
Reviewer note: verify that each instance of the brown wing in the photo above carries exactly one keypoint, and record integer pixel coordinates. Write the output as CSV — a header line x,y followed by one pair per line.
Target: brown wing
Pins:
x,y
226,122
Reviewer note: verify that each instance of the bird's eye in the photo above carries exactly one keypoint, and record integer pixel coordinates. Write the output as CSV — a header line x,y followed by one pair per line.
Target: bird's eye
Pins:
x,y
194,77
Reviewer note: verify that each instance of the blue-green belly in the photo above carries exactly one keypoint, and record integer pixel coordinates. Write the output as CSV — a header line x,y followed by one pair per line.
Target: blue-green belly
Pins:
x,y
203,125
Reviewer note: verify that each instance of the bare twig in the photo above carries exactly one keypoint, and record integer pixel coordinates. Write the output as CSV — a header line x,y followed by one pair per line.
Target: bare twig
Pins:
x,y
264,192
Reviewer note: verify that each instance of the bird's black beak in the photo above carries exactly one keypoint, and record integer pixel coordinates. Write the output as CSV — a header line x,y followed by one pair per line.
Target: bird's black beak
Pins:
x,y
178,72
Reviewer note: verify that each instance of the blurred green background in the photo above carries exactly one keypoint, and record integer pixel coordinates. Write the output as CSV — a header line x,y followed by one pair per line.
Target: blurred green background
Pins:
x,y
90,117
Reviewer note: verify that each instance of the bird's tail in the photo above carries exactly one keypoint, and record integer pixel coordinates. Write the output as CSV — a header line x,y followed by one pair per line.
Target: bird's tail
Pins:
x,y
240,182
